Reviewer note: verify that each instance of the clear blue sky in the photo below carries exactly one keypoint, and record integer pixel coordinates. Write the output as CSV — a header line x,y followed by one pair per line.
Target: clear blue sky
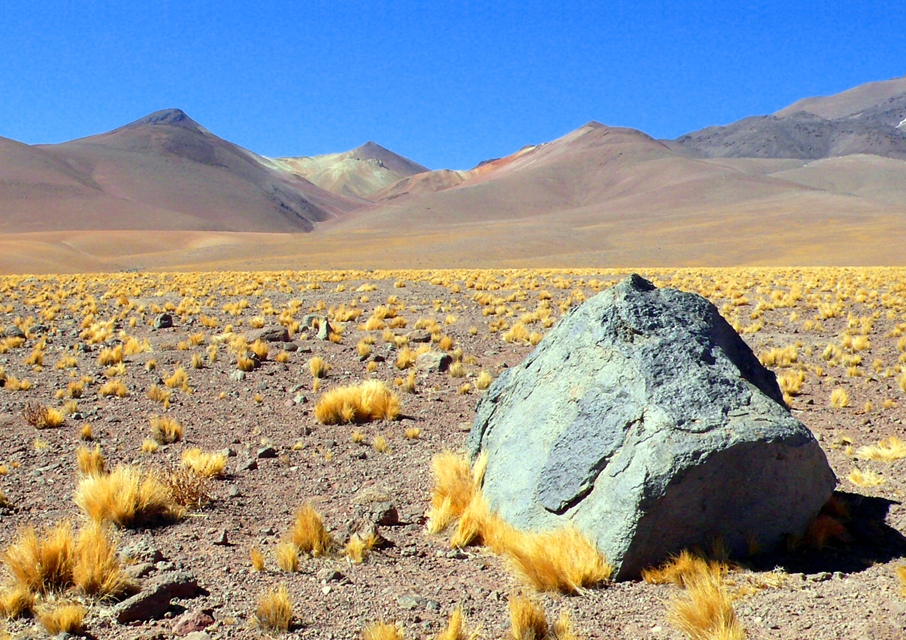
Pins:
x,y
447,84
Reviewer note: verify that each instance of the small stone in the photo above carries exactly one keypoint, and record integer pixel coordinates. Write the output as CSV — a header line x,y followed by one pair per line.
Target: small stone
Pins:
x,y
419,336
325,589
821,576
237,376
154,600
220,538
266,453
192,622
247,464
330,575
234,492
433,362
163,321
269,334
291,347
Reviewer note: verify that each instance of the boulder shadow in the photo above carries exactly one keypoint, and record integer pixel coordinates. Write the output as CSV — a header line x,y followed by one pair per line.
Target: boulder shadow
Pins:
x,y
854,537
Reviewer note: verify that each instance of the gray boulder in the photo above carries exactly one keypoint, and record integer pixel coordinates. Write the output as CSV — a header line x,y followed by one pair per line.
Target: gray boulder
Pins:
x,y
269,334
645,421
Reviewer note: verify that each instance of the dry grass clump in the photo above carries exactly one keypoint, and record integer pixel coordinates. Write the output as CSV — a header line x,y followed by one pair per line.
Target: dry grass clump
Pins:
x,y
681,568
887,450
308,534
179,379
405,358
455,629
257,559
705,611
65,618
865,478
839,398
56,561
90,462
209,465
382,631
127,496
528,622
158,394
41,417
165,430
483,381
318,367
113,388
359,546
368,401
901,576
274,612
454,488
109,357
562,560
187,489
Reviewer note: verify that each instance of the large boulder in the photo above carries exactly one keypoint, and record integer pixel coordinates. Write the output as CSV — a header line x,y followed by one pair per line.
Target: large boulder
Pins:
x,y
645,421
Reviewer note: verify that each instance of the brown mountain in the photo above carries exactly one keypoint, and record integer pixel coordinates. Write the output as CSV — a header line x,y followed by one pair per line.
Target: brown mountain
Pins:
x,y
870,119
359,173
163,171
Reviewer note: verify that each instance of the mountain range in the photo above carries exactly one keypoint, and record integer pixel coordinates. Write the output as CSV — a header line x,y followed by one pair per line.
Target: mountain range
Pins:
x,y
822,181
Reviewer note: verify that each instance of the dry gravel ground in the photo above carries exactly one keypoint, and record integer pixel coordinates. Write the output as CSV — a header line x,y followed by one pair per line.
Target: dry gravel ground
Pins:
x,y
845,590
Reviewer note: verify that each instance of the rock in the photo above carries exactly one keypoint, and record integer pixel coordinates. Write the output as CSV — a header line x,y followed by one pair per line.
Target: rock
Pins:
x,y
432,361
220,538
291,347
137,571
198,635
154,600
246,464
645,421
237,376
163,321
12,331
419,336
330,575
309,321
324,330
266,453
269,334
192,621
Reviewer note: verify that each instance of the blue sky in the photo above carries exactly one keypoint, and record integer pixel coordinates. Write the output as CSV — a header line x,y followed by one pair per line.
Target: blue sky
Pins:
x,y
447,84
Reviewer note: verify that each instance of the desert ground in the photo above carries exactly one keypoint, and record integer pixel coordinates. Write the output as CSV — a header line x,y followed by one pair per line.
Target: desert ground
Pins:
x,y
836,337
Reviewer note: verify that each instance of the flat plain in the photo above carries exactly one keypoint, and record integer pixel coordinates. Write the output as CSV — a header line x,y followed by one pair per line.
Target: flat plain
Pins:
x,y
836,337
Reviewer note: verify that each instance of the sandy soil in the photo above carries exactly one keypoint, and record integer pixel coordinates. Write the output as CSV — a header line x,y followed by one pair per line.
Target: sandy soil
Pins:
x,y
845,590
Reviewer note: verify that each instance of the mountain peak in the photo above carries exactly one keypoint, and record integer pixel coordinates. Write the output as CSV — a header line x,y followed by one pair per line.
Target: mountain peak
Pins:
x,y
172,117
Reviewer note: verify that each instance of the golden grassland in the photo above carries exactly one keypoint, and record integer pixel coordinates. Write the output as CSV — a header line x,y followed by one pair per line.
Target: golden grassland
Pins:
x,y
836,336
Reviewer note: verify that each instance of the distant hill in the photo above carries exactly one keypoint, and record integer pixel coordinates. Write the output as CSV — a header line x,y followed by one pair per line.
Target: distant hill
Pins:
x,y
359,173
163,171
870,119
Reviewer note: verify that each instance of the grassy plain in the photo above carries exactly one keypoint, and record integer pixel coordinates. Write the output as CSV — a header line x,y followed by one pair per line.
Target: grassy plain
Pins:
x,y
170,403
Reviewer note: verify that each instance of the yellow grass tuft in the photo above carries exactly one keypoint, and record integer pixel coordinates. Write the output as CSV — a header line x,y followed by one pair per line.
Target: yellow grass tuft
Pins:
x,y
66,618
562,560
454,488
484,380
455,629
257,559
680,569
96,570
149,446
208,465
274,612
368,401
839,398
866,478
127,496
260,349
15,601
887,450
178,379
527,620
90,462
41,417
41,564
109,357
308,534
165,430
113,388
405,358
287,555
382,631
358,547
318,367
901,575
704,611
379,444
